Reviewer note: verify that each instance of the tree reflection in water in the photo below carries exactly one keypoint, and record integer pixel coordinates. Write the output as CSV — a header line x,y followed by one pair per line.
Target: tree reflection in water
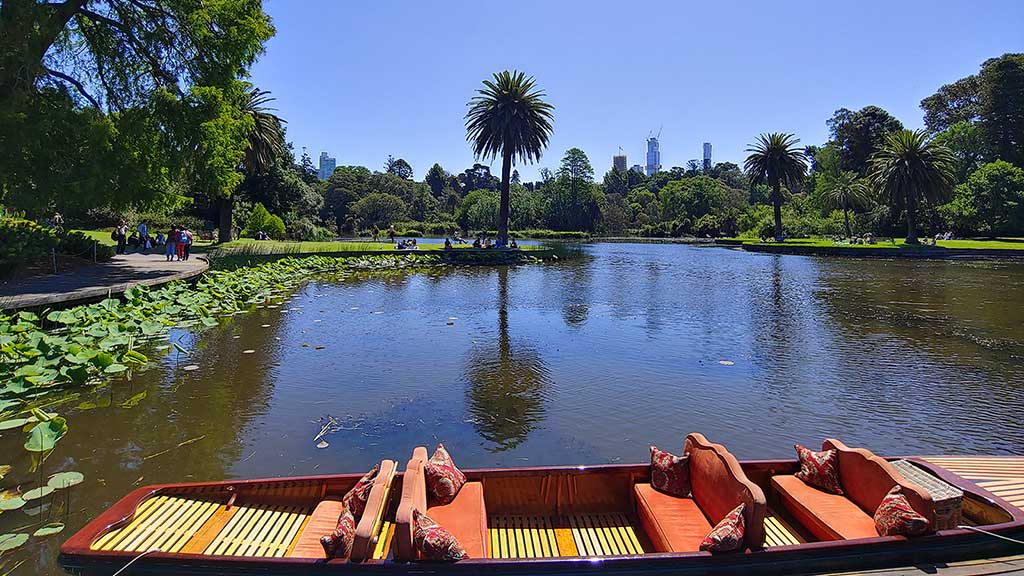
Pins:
x,y
508,382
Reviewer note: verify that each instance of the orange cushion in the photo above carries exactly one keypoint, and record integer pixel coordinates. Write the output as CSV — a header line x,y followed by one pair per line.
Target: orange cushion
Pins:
x,y
323,521
673,524
827,516
466,519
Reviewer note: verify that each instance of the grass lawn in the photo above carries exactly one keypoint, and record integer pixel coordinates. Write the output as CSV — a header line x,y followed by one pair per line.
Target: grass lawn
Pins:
x,y
103,236
997,244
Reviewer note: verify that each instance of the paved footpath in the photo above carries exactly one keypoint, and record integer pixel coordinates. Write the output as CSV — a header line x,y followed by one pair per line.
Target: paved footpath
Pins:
x,y
97,281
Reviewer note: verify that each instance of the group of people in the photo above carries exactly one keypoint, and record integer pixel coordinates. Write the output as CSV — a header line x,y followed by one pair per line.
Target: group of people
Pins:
x,y
940,236
408,244
485,242
177,242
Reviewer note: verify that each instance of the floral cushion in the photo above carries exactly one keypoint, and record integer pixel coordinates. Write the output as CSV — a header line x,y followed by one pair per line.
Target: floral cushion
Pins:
x,y
670,473
727,535
434,542
355,499
444,479
338,544
895,516
819,469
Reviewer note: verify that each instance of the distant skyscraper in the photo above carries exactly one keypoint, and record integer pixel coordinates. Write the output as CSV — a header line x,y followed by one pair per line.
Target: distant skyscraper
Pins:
x,y
653,155
707,155
327,165
637,168
619,161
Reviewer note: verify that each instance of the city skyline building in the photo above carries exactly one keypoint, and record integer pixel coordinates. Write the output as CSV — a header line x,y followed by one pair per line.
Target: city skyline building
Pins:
x,y
637,168
653,155
707,155
619,161
327,166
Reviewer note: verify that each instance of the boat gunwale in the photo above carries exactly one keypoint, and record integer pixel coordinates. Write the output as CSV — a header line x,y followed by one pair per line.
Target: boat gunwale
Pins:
x,y
78,546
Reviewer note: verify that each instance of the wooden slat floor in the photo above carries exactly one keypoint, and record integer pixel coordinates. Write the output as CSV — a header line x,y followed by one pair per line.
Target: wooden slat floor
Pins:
x,y
1000,475
778,532
526,536
265,531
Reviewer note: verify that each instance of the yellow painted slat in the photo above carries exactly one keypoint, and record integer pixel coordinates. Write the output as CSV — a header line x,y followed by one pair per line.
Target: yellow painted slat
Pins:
x,y
145,529
258,541
632,534
292,536
158,531
382,540
245,536
220,543
105,542
185,526
201,520
276,540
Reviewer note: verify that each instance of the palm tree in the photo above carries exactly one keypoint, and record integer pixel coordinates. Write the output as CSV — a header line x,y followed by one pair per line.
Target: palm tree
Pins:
x,y
909,168
265,144
775,159
846,191
508,117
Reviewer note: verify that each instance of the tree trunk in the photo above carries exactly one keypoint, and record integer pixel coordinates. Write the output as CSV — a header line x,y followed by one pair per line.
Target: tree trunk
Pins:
x,y
224,208
846,217
506,169
777,204
911,219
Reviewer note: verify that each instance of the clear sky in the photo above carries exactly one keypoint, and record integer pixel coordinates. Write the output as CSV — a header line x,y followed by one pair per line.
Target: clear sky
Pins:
x,y
364,79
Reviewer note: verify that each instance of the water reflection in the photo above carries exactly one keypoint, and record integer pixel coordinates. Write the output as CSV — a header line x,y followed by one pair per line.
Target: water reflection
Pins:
x,y
507,382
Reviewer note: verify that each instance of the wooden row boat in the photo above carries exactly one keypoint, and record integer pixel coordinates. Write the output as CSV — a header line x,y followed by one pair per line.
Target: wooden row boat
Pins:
x,y
539,520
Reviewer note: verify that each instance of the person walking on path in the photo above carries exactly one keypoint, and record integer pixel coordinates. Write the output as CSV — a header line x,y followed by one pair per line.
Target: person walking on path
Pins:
x,y
121,236
186,240
144,237
171,246
181,243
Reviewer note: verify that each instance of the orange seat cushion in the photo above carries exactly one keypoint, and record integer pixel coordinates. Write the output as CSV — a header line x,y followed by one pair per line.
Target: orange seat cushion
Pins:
x,y
827,516
673,524
466,519
322,522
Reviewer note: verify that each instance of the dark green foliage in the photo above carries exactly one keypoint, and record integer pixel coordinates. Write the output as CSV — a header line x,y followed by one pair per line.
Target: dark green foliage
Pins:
x,y
990,202
24,243
859,134
260,220
1002,108
953,103
776,161
380,210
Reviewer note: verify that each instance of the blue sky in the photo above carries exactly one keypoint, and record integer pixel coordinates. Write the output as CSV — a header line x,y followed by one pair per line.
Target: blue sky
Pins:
x,y
364,79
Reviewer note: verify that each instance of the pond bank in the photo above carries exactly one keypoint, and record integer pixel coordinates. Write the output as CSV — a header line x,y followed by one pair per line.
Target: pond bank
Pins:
x,y
97,281
884,251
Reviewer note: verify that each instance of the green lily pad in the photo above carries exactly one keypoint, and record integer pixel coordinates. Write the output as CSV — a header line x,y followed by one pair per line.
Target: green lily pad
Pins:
x,y
45,435
13,423
65,480
37,493
134,400
5,469
49,529
12,541
11,500
115,369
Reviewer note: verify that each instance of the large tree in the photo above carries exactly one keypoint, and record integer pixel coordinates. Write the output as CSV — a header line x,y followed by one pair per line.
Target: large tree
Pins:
x,y
910,168
508,117
437,179
114,53
1002,107
844,191
953,103
398,167
776,160
858,134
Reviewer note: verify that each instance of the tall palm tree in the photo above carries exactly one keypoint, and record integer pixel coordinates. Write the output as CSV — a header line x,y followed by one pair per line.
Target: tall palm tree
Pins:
x,y
909,168
265,142
846,191
508,116
776,160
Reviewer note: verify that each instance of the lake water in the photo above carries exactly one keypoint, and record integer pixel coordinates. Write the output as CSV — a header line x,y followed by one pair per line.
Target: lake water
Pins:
x,y
579,361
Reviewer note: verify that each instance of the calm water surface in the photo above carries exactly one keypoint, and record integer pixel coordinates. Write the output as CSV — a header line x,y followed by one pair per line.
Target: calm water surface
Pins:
x,y
574,362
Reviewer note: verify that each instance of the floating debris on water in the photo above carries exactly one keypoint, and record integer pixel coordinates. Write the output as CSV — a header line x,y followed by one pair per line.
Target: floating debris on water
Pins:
x,y
726,362
249,351
191,367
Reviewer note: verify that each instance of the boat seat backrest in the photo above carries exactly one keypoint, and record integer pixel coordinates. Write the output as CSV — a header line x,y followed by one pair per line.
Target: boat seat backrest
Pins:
x,y
373,515
719,486
867,478
414,496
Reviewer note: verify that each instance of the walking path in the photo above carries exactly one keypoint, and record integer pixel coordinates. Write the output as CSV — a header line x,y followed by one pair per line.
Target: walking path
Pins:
x,y
97,281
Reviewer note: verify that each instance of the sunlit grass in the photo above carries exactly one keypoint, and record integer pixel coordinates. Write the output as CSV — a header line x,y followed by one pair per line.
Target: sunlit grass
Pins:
x,y
996,244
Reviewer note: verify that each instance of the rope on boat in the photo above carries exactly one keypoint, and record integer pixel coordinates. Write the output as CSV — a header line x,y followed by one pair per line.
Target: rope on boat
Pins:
x,y
980,531
132,561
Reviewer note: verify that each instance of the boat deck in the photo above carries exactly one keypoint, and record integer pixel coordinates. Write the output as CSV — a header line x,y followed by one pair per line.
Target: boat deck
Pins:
x,y
207,525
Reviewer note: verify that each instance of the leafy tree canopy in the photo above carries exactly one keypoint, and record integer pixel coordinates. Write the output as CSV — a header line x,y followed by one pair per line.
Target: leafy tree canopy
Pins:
x,y
859,134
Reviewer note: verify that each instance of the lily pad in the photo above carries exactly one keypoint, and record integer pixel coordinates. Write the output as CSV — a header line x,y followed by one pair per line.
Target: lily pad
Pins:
x,y
13,423
5,469
37,493
134,400
45,435
49,529
65,480
11,500
12,541
115,369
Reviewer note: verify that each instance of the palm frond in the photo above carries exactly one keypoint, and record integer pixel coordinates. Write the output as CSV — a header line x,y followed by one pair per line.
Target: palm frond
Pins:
x,y
509,115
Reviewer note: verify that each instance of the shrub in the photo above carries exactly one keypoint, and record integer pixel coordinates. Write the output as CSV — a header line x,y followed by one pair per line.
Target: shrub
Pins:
x,y
304,229
707,225
78,244
262,220
23,242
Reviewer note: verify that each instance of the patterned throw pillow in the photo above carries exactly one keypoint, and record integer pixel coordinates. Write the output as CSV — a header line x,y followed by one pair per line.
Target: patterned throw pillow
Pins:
x,y
444,479
434,542
670,473
727,535
355,499
338,544
820,469
895,516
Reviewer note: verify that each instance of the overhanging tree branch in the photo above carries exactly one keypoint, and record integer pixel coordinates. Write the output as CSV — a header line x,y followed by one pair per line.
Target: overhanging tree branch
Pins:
x,y
76,84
